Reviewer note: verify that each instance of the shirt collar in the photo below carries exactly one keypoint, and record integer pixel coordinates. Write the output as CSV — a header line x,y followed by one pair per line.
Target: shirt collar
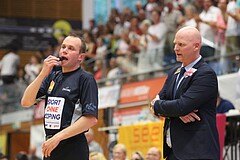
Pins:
x,y
192,64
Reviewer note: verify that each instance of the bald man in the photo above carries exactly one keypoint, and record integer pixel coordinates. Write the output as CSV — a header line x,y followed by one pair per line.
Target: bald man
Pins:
x,y
188,101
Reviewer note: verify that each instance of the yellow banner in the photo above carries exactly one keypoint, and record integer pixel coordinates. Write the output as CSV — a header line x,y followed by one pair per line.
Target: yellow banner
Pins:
x,y
140,137
3,143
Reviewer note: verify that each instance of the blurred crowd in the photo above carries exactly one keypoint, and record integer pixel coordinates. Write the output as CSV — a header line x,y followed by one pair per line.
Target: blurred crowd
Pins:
x,y
138,42
119,152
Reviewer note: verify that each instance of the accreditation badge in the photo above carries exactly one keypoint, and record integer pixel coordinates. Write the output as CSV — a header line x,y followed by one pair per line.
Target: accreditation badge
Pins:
x,y
53,112
50,88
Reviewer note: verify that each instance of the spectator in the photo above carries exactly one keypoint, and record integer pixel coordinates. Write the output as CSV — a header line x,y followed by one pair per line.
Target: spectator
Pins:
x,y
91,48
121,26
21,76
98,69
92,27
157,33
113,19
141,15
109,42
143,63
137,156
114,71
149,7
138,6
32,153
128,14
134,35
91,52
119,152
124,44
93,145
198,4
221,25
32,68
9,66
101,50
2,156
96,156
143,42
21,156
232,33
189,18
207,23
171,18
153,154
223,105
21,82
124,56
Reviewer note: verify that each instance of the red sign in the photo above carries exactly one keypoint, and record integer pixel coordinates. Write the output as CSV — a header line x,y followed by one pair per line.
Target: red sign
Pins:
x,y
141,91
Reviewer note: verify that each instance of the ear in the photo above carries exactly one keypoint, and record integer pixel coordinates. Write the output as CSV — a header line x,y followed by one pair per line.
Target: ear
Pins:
x,y
197,46
81,57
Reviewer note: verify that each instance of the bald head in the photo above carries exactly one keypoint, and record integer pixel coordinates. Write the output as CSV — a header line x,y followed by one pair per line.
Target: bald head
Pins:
x,y
187,45
190,33
153,154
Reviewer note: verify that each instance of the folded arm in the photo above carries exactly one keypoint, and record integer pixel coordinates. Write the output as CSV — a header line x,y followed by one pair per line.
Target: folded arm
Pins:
x,y
191,117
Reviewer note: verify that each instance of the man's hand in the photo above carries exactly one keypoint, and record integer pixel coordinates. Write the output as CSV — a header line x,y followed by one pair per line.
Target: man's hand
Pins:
x,y
48,65
49,145
191,117
152,104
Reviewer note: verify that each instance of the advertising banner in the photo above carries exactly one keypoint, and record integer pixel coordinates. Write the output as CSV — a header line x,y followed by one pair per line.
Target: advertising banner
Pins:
x,y
142,136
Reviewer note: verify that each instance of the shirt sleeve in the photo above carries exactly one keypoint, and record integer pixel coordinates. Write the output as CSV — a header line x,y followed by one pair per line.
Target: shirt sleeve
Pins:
x,y
89,97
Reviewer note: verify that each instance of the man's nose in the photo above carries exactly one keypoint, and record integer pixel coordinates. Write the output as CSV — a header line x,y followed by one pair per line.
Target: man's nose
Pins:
x,y
65,51
175,48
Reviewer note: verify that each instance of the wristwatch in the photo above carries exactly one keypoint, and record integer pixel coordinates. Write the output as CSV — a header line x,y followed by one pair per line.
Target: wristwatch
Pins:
x,y
152,104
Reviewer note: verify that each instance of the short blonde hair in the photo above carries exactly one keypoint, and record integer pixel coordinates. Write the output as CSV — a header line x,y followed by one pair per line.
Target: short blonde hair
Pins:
x,y
96,156
120,147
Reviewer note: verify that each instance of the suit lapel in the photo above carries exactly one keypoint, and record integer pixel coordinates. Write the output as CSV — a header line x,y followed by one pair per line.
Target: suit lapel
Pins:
x,y
187,79
173,81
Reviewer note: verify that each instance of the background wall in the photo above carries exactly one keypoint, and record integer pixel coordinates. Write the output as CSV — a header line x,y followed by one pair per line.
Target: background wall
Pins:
x,y
51,9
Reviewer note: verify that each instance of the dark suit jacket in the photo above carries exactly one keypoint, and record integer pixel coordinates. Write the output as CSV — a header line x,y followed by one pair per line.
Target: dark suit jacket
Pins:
x,y
194,140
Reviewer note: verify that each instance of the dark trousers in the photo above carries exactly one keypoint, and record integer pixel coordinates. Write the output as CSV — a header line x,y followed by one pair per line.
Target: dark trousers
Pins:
x,y
74,148
171,156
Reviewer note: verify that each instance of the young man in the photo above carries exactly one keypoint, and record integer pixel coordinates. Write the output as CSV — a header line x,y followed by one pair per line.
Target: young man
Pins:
x,y
71,106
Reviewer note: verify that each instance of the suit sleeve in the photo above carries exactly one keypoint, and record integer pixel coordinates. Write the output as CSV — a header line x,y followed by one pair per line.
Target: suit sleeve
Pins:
x,y
163,93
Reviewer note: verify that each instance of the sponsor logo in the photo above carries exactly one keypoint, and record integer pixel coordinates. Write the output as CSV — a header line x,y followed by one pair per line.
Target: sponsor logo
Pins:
x,y
66,89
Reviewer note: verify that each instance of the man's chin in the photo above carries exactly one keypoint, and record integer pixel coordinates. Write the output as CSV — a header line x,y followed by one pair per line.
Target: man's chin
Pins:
x,y
179,59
